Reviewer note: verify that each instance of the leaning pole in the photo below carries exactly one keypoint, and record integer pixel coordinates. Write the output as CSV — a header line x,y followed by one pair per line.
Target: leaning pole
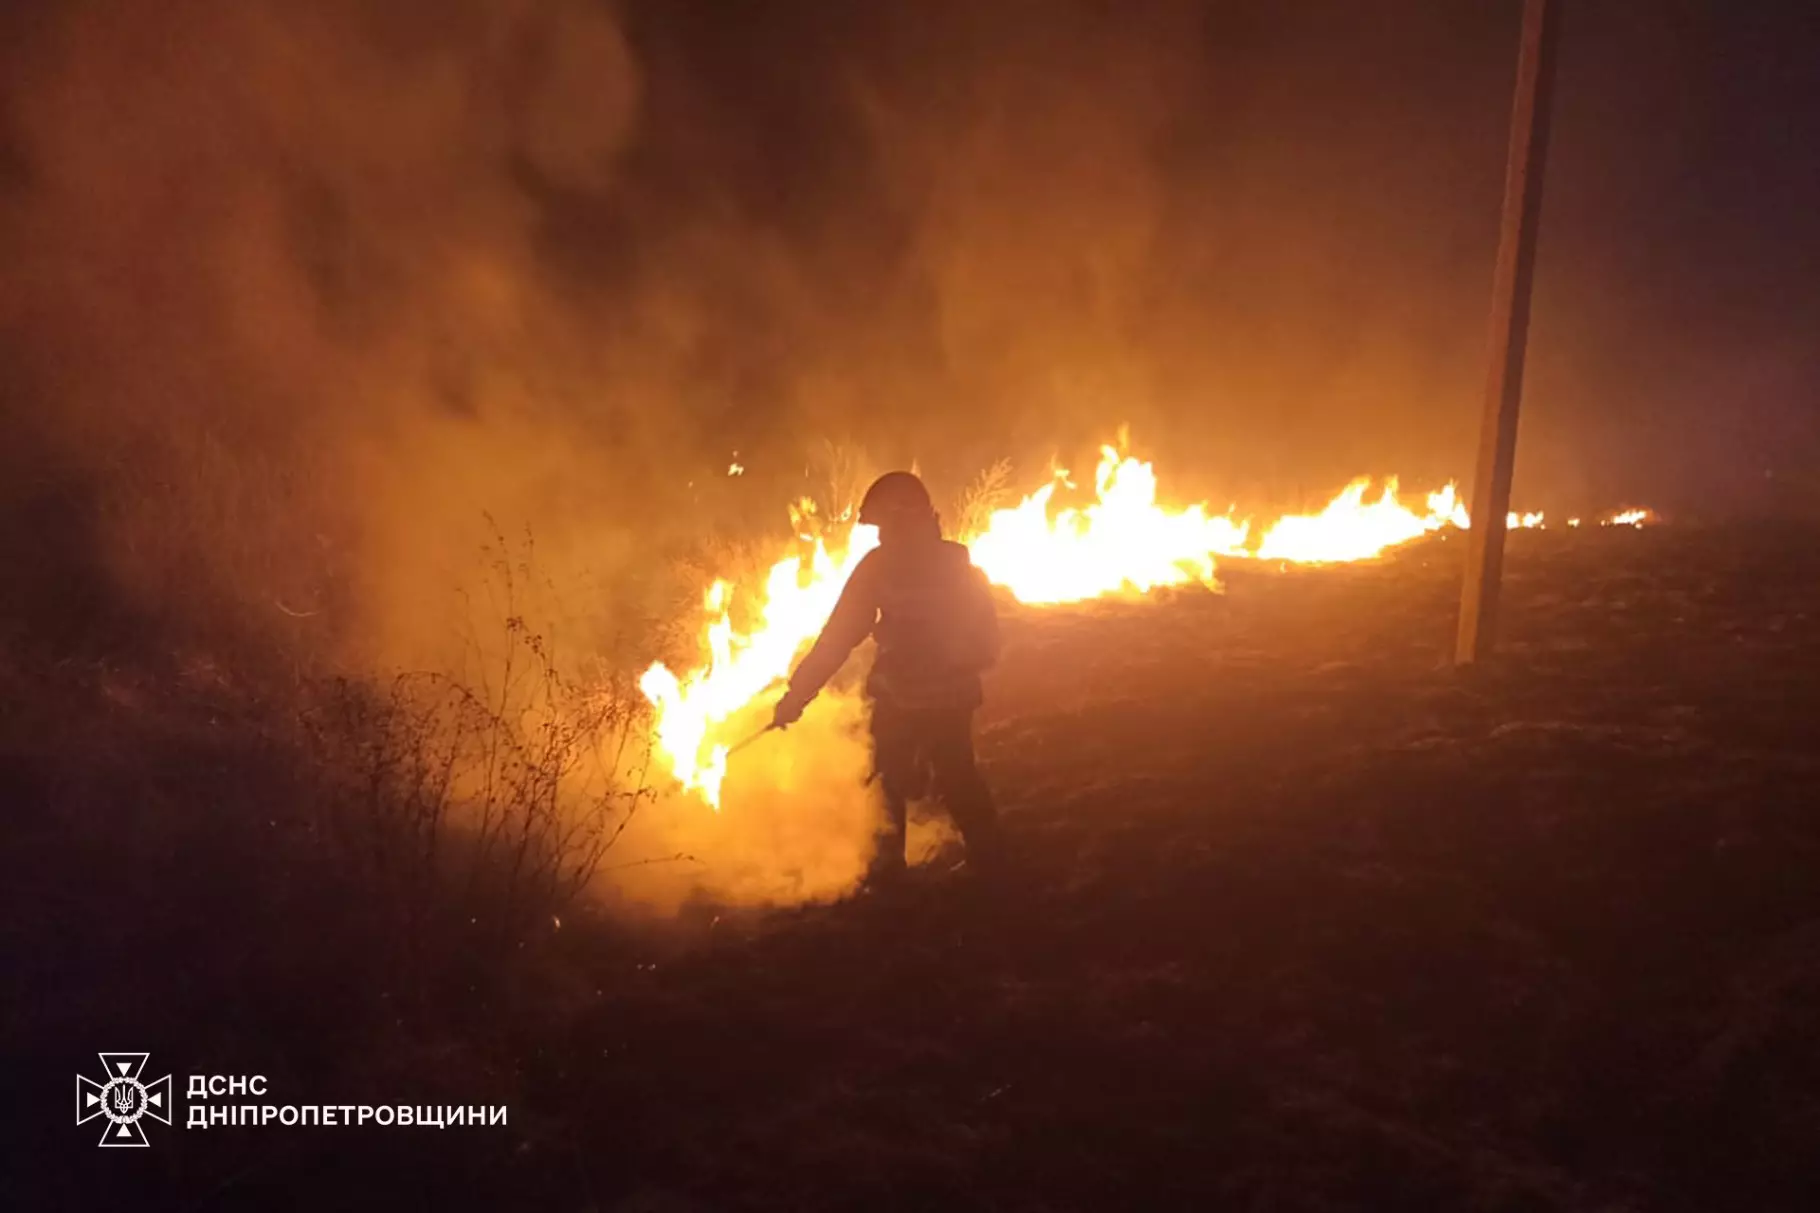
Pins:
x,y
1511,282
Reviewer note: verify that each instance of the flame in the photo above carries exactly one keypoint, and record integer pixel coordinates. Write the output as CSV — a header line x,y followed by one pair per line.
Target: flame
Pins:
x,y
1121,541
1042,553
1350,528
797,596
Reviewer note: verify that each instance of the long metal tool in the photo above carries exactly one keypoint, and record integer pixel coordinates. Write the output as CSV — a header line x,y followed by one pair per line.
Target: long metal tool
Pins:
x,y
737,747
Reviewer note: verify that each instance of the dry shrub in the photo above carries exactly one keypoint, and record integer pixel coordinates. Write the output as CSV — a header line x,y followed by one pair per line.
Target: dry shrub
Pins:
x,y
496,792
842,472
492,796
985,493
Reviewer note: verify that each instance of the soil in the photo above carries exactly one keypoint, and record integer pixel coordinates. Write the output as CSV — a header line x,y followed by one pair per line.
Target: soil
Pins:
x,y
1300,918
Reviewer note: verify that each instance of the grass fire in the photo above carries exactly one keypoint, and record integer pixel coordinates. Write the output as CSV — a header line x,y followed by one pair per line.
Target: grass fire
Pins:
x,y
1119,541
633,606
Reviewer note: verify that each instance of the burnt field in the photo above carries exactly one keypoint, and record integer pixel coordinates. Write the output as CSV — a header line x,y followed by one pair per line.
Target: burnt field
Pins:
x,y
1301,919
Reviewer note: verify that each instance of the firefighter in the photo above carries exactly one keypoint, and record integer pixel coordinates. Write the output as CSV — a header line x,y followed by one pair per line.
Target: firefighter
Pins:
x,y
930,610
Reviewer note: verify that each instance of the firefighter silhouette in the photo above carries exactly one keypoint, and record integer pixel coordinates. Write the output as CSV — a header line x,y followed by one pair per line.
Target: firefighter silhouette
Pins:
x,y
930,612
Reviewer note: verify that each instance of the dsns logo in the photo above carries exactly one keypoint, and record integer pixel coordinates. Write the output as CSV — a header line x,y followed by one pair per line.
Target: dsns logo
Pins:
x,y
123,1099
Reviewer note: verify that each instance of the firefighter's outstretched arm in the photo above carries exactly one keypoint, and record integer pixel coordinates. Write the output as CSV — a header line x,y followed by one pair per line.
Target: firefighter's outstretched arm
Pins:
x,y
852,621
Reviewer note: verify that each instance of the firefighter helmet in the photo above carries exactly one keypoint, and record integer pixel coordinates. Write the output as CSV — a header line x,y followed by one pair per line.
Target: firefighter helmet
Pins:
x,y
896,496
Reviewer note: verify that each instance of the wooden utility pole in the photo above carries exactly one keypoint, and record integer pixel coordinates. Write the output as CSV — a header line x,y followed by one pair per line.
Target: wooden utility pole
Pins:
x,y
1509,330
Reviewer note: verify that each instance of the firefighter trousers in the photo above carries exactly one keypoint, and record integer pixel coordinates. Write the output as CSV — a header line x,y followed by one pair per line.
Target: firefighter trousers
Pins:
x,y
913,748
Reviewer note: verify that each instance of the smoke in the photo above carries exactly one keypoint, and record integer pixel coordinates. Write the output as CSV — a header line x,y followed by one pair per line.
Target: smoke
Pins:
x,y
316,312
797,824
305,303
297,292
277,290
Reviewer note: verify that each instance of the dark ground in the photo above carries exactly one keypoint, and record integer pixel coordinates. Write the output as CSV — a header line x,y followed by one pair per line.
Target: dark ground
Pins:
x,y
1304,920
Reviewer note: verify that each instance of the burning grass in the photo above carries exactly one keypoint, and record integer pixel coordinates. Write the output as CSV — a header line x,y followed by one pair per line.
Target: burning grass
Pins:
x,y
1058,544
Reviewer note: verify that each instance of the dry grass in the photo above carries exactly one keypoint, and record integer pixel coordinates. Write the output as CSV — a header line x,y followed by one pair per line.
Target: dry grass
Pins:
x,y
504,790
987,492
1303,919
227,540
840,473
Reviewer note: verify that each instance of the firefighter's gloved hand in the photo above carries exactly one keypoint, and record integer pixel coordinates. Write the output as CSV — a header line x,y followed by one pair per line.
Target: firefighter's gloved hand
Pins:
x,y
789,710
